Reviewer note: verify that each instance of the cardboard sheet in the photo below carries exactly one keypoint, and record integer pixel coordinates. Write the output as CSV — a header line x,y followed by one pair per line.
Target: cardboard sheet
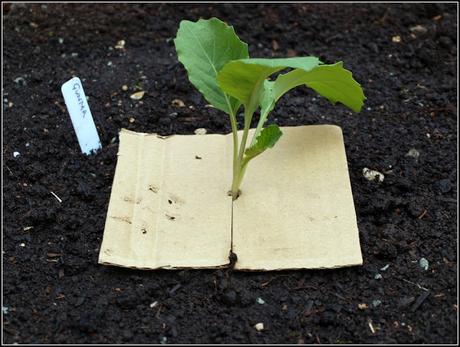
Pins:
x,y
169,206
297,210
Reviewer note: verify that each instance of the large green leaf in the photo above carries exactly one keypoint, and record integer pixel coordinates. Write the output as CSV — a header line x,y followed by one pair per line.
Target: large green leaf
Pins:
x,y
330,81
244,78
204,47
266,139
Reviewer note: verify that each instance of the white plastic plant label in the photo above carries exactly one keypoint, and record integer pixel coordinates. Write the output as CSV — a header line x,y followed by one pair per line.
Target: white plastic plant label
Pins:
x,y
80,114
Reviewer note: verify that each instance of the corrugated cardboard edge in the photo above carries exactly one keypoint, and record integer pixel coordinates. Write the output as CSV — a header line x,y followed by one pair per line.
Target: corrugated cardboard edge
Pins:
x,y
136,155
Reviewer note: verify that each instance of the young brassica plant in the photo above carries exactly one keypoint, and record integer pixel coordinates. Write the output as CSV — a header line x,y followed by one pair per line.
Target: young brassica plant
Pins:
x,y
218,65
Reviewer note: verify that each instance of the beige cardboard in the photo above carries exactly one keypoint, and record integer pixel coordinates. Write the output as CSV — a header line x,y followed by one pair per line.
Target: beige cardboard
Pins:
x,y
169,209
297,208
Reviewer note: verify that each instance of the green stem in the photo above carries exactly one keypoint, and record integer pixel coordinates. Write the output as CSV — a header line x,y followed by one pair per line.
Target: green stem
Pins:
x,y
235,141
238,178
240,168
247,124
243,167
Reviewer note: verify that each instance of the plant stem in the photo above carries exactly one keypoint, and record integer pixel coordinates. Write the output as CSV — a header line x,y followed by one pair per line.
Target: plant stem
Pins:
x,y
242,171
239,168
247,124
235,140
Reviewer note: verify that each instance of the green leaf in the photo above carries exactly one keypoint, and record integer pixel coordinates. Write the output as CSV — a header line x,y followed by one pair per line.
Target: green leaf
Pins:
x,y
244,78
266,139
204,47
330,81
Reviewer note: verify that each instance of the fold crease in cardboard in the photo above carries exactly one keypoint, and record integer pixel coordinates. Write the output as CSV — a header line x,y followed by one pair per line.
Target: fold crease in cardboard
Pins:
x,y
169,206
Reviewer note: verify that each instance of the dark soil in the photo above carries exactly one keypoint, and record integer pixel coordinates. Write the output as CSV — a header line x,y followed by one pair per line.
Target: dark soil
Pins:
x,y
55,291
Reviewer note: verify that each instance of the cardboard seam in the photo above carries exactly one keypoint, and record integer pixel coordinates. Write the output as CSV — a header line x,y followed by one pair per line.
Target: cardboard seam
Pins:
x,y
160,200
232,257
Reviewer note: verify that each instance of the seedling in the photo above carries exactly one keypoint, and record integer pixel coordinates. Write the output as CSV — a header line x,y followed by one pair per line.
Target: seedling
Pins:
x,y
218,65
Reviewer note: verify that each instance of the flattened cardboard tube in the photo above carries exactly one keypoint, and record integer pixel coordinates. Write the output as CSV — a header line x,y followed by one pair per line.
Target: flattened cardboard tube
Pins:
x,y
169,206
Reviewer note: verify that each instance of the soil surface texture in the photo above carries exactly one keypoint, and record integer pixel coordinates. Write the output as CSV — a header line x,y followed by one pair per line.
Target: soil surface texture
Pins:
x,y
55,198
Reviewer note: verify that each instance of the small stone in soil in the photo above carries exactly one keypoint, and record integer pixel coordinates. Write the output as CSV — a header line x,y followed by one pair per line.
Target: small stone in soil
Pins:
x,y
21,81
200,131
372,175
376,303
418,29
260,301
177,103
378,276
137,95
5,310
424,264
385,268
362,306
259,326
120,44
16,154
124,87
413,153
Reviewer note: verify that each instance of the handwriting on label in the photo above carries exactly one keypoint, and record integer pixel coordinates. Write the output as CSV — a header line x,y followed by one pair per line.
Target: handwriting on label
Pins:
x,y
76,88
80,114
